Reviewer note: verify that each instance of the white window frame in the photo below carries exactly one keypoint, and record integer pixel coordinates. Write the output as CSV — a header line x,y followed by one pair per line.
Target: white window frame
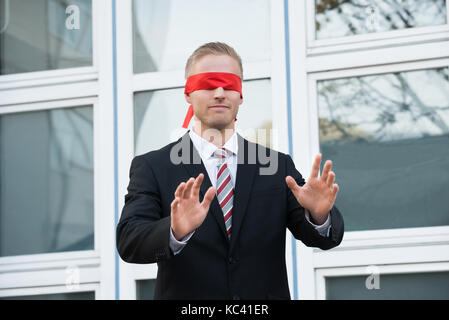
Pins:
x,y
94,287
43,269
312,61
129,83
64,88
64,75
367,270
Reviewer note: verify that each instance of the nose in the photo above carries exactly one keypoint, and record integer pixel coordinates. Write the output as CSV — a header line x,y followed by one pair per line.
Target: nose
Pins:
x,y
219,93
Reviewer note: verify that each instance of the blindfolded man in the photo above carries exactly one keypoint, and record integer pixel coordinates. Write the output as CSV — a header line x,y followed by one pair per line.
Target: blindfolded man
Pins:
x,y
217,228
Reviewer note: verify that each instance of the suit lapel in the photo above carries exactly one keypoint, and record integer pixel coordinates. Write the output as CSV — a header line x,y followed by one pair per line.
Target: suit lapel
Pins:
x,y
246,170
194,165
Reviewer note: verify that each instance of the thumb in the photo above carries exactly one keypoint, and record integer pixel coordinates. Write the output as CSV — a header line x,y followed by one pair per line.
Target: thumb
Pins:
x,y
291,183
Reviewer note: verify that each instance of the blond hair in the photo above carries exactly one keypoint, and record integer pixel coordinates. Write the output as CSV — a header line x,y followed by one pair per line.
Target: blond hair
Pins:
x,y
216,48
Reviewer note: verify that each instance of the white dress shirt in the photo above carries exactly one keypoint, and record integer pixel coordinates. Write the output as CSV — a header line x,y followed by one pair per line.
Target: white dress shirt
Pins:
x,y
206,151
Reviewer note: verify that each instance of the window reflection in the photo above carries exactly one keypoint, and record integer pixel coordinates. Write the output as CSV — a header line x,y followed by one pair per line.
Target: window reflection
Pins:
x,y
166,32
46,181
34,35
339,18
145,289
409,286
388,137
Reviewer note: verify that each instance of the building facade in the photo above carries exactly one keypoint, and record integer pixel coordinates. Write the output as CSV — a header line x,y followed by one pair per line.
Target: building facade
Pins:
x,y
85,85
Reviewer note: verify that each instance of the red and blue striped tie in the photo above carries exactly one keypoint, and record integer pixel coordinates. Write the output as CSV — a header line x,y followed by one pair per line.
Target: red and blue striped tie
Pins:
x,y
225,191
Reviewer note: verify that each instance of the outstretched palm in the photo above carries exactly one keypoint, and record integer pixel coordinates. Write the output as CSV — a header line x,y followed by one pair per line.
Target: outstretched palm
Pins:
x,y
187,213
319,193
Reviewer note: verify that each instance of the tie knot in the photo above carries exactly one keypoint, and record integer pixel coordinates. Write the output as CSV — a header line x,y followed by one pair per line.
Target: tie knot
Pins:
x,y
222,153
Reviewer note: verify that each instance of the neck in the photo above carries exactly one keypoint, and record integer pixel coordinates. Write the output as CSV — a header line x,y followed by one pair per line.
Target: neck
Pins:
x,y
216,136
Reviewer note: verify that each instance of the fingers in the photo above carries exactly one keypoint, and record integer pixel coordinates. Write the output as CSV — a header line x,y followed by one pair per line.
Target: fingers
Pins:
x,y
316,166
330,179
174,205
208,197
192,187
188,188
328,176
291,183
326,170
197,185
334,190
178,194
180,190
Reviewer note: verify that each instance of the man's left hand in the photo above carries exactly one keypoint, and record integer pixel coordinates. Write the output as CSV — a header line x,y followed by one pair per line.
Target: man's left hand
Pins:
x,y
319,193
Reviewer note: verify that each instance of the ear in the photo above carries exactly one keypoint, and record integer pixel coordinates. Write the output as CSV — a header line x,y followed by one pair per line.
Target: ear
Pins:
x,y
187,97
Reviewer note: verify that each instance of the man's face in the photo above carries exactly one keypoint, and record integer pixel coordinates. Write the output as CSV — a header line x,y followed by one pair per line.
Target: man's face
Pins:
x,y
215,108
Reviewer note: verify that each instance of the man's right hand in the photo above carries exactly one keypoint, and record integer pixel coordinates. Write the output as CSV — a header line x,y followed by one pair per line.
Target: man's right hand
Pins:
x,y
187,213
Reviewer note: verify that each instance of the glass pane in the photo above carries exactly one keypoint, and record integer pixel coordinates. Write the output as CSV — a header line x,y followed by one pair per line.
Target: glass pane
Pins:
x,y
413,286
158,115
38,35
56,296
145,289
254,120
388,137
46,181
166,32
339,18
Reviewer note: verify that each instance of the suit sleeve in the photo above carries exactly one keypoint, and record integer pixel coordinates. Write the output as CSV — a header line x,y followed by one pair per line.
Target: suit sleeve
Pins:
x,y
143,234
300,227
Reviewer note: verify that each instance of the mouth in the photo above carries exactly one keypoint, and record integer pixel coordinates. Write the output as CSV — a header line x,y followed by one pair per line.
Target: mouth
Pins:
x,y
219,107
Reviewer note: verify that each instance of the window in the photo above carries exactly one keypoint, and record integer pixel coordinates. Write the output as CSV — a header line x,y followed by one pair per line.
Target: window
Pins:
x,y
55,296
39,35
338,18
145,289
56,171
370,83
411,286
384,132
46,180
166,32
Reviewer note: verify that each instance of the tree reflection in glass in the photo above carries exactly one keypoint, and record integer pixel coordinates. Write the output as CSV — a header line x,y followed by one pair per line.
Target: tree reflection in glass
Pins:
x,y
388,136
46,181
339,18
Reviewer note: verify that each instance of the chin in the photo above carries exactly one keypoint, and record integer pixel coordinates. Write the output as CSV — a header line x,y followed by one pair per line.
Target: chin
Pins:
x,y
218,124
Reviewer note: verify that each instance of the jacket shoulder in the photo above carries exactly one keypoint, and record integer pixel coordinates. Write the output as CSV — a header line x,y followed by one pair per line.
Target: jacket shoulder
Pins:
x,y
159,155
266,150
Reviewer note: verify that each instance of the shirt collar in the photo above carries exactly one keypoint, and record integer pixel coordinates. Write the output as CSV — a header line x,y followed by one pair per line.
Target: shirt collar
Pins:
x,y
206,148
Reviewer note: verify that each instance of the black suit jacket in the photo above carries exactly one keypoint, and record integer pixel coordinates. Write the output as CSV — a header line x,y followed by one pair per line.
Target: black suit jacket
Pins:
x,y
249,265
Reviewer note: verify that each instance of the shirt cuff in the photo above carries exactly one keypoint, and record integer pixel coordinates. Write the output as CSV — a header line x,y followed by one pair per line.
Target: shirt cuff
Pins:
x,y
175,245
323,229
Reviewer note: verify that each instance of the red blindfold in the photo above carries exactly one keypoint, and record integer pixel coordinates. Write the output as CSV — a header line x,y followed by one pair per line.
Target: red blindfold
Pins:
x,y
211,80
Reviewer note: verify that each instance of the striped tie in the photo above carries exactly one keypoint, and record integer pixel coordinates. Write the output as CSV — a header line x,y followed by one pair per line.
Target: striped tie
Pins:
x,y
225,191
